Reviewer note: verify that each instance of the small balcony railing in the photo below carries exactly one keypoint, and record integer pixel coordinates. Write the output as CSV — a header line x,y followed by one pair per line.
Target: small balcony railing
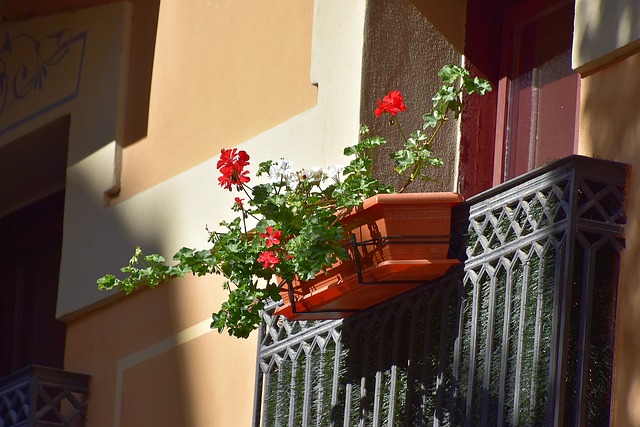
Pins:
x,y
39,396
520,334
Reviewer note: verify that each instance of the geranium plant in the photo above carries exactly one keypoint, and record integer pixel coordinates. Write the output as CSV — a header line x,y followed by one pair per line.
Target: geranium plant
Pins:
x,y
289,225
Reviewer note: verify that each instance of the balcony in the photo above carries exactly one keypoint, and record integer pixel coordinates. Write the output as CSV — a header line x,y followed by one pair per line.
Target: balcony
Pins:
x,y
522,333
39,396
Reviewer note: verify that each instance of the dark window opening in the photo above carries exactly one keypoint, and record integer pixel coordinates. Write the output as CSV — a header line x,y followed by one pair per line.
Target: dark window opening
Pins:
x,y
30,250
32,182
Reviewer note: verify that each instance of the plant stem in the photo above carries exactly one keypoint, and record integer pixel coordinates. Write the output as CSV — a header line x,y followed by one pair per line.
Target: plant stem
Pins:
x,y
244,220
414,174
244,188
404,138
339,217
420,164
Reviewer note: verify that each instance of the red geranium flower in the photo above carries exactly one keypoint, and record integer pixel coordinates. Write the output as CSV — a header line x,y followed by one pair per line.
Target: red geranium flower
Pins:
x,y
238,204
269,259
233,176
272,236
231,157
231,165
392,103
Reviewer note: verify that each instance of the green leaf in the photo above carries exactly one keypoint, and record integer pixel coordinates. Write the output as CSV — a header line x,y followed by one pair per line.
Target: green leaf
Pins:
x,y
264,167
431,119
107,282
154,259
350,151
404,160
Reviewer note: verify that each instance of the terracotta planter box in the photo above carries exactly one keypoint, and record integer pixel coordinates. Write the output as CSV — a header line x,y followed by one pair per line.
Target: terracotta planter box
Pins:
x,y
401,241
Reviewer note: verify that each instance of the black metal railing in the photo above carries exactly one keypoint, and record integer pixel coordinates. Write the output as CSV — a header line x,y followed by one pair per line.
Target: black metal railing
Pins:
x,y
536,342
41,396
520,334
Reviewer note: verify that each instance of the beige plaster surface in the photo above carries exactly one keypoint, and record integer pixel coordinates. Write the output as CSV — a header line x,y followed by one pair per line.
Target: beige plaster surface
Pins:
x,y
223,72
150,355
604,30
610,129
154,363
175,212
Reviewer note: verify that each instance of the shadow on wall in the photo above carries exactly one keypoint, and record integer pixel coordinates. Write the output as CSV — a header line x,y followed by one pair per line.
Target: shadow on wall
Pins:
x,y
99,338
599,39
140,62
31,168
143,41
610,129
127,344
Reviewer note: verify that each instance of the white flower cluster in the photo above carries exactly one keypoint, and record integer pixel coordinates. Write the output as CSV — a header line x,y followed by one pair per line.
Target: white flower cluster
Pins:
x,y
282,172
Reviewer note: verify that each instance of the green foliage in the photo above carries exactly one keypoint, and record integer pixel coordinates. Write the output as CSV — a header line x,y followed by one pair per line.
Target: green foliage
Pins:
x,y
417,153
297,214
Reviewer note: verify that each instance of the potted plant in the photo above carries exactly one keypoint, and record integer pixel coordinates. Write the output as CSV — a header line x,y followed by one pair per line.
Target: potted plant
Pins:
x,y
395,242
316,236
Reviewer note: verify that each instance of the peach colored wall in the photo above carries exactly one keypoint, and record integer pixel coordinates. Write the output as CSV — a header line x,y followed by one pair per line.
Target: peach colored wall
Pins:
x,y
223,73
151,356
153,363
610,129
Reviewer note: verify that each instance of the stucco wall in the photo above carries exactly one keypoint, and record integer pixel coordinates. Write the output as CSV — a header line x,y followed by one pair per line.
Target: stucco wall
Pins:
x,y
407,57
223,72
174,213
604,31
610,129
448,18
154,363
152,358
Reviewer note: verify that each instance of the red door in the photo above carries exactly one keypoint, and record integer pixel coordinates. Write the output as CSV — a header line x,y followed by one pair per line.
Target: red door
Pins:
x,y
538,94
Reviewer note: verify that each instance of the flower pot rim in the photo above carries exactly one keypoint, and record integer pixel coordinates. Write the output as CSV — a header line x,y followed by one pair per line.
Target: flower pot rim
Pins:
x,y
449,198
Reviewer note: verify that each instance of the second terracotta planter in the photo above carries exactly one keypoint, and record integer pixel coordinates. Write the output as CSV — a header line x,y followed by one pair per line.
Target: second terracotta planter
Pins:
x,y
399,242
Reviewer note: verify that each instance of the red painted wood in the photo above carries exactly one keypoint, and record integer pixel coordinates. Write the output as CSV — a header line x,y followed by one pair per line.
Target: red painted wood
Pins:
x,y
538,92
505,39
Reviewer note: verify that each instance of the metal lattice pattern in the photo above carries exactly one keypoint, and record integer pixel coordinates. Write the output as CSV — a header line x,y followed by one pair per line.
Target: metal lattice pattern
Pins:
x,y
508,339
530,354
518,218
333,373
38,396
296,368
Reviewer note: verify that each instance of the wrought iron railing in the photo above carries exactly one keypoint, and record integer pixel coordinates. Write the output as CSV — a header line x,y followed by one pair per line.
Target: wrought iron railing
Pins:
x,y
521,334
39,396
542,273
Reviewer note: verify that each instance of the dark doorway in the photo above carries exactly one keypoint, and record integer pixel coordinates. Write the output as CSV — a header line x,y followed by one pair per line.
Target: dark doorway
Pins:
x,y
32,182
30,249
